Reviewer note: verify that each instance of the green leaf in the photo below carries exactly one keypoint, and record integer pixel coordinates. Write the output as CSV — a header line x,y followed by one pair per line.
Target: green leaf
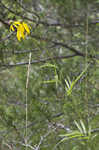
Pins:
x,y
78,126
70,84
83,127
48,65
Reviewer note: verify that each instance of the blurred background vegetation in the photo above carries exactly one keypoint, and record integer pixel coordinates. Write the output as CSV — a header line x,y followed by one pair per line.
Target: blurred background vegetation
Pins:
x,y
64,40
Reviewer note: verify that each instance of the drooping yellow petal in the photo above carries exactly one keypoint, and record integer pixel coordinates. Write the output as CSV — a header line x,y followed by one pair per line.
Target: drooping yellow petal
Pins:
x,y
17,23
21,28
26,27
20,32
12,28
18,35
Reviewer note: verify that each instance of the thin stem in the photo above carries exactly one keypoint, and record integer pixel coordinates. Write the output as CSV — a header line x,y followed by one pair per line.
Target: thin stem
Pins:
x,y
26,109
86,58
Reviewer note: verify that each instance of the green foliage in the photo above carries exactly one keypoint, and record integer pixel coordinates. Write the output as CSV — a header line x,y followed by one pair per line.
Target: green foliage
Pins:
x,y
70,85
82,134
63,77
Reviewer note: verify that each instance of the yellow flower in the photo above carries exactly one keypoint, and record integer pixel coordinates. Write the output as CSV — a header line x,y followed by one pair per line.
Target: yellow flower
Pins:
x,y
22,29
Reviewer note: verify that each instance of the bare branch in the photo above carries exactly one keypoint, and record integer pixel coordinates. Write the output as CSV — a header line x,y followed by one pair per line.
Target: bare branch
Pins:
x,y
40,60
77,52
31,12
70,48
17,14
5,22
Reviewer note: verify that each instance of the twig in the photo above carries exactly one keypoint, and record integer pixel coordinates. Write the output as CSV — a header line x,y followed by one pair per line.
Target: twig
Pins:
x,y
42,139
27,145
6,38
9,146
